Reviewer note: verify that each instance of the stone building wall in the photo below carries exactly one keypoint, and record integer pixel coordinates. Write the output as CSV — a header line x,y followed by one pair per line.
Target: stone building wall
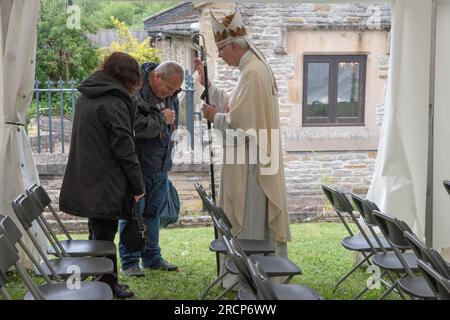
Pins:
x,y
183,179
269,25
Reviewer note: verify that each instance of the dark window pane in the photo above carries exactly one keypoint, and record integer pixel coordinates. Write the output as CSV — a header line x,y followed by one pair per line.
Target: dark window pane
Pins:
x,y
348,89
317,90
333,90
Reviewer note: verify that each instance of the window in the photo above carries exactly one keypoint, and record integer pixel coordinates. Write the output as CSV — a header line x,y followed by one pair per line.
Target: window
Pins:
x,y
333,90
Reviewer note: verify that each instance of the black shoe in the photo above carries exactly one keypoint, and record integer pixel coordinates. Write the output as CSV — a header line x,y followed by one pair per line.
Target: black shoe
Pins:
x,y
134,271
163,265
120,293
123,286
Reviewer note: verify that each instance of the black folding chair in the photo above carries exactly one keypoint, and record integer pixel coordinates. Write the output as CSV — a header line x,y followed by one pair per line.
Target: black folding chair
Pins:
x,y
405,264
428,254
255,282
69,247
9,257
274,266
362,243
366,208
27,212
250,246
437,282
5,264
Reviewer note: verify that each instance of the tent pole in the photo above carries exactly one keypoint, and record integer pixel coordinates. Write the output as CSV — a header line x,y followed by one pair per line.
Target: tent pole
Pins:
x,y
429,195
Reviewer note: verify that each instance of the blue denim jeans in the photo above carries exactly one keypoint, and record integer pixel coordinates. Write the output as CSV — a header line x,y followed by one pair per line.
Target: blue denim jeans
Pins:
x,y
156,188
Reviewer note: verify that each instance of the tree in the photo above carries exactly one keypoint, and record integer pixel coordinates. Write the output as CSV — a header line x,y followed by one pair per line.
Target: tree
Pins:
x,y
132,13
142,52
63,52
67,53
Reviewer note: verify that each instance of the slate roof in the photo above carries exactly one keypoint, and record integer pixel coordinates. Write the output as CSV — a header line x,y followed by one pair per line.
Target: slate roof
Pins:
x,y
176,20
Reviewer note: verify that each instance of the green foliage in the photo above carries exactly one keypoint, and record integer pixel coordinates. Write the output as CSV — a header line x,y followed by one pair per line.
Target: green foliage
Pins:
x,y
62,52
131,13
142,52
67,53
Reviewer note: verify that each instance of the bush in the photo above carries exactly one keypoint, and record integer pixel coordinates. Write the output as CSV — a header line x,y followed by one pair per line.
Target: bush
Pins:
x,y
142,52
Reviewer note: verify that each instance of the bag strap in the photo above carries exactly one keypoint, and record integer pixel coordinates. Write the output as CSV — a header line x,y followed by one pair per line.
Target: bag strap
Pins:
x,y
140,221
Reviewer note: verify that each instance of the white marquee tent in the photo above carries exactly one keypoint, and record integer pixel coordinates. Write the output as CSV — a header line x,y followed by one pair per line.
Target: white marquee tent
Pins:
x,y
18,20
418,76
399,185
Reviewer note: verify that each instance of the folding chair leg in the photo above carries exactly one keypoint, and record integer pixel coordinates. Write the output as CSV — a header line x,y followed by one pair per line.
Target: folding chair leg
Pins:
x,y
386,293
5,294
35,292
94,278
366,288
288,279
383,282
236,282
363,291
344,277
401,294
212,284
396,288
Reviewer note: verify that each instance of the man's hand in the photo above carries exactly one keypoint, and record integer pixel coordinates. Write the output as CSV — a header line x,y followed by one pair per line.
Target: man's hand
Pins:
x,y
209,112
139,197
199,67
169,115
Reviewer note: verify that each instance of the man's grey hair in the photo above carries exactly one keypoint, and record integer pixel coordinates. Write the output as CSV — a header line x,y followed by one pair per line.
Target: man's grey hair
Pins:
x,y
169,68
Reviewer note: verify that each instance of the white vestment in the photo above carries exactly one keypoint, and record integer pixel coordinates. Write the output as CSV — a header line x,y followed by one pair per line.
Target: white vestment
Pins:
x,y
250,217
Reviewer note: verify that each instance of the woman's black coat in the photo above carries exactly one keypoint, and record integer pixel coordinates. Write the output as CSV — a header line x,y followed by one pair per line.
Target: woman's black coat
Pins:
x,y
103,170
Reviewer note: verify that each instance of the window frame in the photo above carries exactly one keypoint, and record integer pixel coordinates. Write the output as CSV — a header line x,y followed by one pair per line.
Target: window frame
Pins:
x,y
334,61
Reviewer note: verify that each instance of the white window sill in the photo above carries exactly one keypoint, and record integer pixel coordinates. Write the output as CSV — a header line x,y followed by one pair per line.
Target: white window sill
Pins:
x,y
332,139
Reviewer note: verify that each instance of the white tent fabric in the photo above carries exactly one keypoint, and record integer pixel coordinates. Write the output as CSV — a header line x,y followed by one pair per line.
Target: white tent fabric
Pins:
x,y
441,201
18,52
399,183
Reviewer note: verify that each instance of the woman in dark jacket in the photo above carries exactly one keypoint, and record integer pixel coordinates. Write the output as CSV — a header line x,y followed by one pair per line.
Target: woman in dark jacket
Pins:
x,y
103,171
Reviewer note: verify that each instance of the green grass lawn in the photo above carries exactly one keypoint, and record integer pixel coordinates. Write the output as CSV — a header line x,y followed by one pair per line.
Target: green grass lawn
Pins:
x,y
315,248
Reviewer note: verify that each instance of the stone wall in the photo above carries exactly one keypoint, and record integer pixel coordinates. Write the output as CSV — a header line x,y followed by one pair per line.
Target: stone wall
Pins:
x,y
268,25
183,179
302,209
307,171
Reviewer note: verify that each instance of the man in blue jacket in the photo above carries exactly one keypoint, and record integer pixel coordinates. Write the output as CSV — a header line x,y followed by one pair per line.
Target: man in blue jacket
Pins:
x,y
155,120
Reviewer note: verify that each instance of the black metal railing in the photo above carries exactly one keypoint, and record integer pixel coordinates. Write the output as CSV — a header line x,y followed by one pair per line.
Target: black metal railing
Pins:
x,y
49,121
50,114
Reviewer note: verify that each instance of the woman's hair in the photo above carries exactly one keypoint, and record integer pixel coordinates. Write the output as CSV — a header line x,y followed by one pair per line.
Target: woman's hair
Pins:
x,y
125,69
